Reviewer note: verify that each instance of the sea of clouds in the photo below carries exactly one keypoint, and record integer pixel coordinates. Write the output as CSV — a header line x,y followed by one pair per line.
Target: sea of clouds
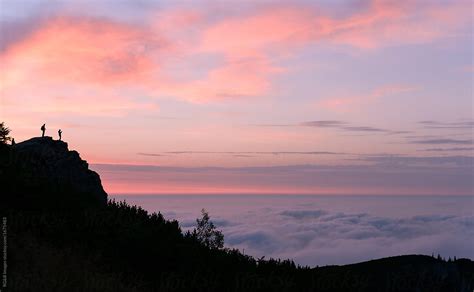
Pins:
x,y
324,230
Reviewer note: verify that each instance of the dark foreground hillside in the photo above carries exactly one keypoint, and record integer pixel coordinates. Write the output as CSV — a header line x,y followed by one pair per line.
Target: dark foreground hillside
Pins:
x,y
81,243
122,248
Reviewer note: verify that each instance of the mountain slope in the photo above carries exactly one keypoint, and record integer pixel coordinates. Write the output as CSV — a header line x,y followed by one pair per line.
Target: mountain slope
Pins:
x,y
40,171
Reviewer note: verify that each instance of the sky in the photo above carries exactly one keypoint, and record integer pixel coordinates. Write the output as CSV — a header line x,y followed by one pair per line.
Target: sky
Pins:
x,y
245,97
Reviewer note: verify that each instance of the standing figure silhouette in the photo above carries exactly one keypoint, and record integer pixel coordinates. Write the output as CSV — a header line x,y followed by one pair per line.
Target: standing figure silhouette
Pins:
x,y
60,133
43,129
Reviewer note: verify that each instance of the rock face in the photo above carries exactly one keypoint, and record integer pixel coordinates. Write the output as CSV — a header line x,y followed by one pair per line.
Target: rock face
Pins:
x,y
43,171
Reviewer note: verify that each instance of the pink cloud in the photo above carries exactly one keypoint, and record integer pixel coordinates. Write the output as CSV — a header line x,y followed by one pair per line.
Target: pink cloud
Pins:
x,y
98,54
247,34
83,50
387,23
352,102
236,79
75,66
249,43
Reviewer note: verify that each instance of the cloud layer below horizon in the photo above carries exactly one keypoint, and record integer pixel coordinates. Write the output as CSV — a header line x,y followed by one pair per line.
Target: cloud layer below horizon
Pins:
x,y
322,230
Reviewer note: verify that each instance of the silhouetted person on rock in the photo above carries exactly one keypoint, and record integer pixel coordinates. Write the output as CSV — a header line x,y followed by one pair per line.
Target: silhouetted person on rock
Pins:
x,y
43,129
13,142
60,134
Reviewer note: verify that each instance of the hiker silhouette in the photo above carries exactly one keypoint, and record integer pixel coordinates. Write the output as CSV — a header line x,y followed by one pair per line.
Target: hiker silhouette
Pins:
x,y
60,134
43,129
13,142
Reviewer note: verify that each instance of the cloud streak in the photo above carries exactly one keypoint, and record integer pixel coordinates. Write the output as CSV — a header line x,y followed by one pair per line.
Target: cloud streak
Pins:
x,y
243,153
394,160
365,175
341,125
449,149
465,124
444,141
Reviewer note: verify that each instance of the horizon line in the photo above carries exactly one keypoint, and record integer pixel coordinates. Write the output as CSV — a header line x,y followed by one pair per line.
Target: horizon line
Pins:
x,y
285,194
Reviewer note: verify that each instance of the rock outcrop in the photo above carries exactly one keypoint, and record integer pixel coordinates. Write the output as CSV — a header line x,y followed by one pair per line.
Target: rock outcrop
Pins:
x,y
43,172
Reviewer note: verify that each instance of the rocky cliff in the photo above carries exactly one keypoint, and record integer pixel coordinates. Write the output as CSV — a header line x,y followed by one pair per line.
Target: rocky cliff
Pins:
x,y
42,171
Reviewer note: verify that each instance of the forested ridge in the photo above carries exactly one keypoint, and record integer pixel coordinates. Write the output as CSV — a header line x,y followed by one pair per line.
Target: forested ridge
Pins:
x,y
123,248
